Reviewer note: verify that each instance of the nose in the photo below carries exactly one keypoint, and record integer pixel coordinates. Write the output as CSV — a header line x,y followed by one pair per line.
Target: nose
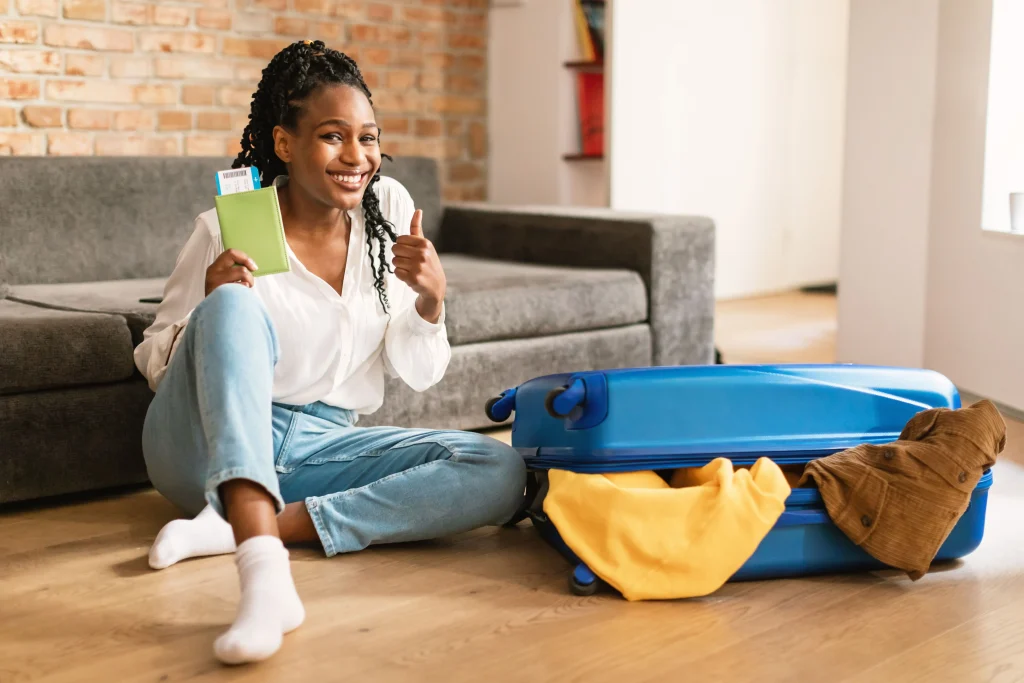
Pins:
x,y
352,153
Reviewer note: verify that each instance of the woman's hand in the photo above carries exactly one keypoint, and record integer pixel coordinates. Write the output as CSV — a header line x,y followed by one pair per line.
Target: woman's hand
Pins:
x,y
233,266
417,265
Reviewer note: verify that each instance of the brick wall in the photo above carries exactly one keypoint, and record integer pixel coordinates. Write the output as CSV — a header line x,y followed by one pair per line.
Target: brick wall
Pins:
x,y
107,77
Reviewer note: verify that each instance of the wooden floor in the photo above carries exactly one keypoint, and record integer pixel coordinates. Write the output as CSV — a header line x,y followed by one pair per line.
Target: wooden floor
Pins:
x,y
78,602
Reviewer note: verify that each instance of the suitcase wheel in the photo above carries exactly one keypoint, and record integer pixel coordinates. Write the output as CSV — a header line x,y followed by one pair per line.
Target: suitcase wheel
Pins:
x,y
560,401
582,581
489,406
499,408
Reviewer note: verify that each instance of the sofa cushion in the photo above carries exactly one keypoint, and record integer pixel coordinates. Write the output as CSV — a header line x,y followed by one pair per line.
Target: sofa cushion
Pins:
x,y
490,300
42,348
478,372
5,288
70,440
121,297
486,300
100,218
104,218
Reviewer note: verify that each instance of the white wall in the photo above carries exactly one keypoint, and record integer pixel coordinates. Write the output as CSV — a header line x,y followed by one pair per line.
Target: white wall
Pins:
x,y
886,181
969,326
734,109
532,109
525,105
975,330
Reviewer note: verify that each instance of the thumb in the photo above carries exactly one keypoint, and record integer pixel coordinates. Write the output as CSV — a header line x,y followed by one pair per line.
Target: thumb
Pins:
x,y
416,228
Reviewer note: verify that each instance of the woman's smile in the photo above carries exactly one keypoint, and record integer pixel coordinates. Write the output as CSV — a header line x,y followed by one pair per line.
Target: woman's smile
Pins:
x,y
349,180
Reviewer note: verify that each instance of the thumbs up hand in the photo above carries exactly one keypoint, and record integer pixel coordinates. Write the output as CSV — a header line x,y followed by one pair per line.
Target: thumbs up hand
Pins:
x,y
416,228
417,265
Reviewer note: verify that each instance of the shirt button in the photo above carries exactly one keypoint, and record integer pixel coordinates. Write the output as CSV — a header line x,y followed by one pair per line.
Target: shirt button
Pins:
x,y
865,520
962,477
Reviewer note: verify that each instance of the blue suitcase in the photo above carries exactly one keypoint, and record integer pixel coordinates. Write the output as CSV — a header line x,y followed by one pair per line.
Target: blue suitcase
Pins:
x,y
671,417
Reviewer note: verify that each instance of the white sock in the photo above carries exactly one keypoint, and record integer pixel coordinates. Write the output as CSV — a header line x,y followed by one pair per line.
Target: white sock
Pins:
x,y
269,606
207,534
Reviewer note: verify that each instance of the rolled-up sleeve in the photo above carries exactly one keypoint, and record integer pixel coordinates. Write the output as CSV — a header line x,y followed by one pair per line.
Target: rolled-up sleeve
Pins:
x,y
415,350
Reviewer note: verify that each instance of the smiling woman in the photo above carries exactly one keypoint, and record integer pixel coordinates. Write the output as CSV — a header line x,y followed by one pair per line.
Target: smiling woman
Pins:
x,y
260,380
276,144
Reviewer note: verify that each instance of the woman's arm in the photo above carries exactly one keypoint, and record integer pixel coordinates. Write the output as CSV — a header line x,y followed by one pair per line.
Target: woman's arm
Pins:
x,y
416,345
415,350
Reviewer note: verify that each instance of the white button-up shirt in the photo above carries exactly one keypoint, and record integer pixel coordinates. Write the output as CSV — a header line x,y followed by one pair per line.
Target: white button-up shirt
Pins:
x,y
333,348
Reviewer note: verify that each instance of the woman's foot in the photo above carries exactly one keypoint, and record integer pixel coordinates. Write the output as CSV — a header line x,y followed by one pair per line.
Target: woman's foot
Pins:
x,y
207,534
269,606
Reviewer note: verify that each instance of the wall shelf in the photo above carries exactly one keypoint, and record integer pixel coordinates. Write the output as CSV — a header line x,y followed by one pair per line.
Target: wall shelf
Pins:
x,y
585,65
583,157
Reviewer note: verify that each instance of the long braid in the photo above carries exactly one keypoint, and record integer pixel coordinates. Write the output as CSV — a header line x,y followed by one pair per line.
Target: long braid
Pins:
x,y
290,77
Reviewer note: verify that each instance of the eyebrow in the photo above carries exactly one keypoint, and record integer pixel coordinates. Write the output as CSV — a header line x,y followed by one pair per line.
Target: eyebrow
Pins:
x,y
343,122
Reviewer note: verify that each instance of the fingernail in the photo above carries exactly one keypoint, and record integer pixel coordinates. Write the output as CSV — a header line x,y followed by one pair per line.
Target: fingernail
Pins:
x,y
253,264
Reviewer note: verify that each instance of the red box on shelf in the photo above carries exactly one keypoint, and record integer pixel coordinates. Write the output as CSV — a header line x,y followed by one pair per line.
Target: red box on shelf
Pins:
x,y
591,112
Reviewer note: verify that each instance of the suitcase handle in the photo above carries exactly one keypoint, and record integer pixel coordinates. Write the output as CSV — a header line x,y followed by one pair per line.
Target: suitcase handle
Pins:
x,y
561,401
802,518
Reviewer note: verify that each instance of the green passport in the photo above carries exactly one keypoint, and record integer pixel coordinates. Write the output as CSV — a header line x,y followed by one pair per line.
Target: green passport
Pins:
x,y
251,222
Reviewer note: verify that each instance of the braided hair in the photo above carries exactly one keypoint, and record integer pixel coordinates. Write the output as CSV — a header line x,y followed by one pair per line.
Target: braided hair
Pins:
x,y
292,75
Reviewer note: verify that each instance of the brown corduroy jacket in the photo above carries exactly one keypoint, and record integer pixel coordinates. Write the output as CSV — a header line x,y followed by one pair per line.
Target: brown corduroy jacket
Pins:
x,y
900,501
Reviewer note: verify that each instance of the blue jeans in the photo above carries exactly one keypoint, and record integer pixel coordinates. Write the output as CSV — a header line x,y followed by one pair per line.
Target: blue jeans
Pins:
x,y
213,420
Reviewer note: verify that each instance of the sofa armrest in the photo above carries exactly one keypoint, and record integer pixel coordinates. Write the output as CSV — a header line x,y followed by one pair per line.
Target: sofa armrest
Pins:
x,y
673,254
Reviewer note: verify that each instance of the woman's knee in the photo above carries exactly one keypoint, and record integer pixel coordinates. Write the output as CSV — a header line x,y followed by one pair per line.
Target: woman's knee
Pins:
x,y
231,304
504,475
232,313
180,485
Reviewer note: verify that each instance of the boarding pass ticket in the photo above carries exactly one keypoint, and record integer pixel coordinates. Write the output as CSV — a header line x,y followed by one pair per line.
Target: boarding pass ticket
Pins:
x,y
238,180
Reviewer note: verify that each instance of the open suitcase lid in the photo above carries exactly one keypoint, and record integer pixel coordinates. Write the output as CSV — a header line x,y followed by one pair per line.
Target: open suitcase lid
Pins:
x,y
655,418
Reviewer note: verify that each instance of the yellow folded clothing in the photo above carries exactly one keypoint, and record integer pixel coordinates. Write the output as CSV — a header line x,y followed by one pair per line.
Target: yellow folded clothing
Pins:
x,y
652,539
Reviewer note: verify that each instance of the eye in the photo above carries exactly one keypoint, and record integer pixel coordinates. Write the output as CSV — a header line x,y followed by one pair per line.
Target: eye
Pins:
x,y
369,138
333,137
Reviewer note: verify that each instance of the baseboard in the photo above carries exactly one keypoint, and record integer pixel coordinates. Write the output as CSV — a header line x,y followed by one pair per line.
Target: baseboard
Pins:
x,y
824,288
968,397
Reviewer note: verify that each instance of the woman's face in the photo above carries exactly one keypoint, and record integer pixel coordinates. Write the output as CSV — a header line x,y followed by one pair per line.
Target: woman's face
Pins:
x,y
334,151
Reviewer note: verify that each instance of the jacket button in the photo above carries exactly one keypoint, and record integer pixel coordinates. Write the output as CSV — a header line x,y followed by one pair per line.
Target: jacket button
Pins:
x,y
888,454
962,477
865,520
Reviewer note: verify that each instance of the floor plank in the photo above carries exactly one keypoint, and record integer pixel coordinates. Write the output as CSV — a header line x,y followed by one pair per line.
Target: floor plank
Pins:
x,y
789,328
78,602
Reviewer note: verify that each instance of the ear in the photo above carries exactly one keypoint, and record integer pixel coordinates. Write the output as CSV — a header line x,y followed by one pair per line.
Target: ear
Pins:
x,y
920,425
282,144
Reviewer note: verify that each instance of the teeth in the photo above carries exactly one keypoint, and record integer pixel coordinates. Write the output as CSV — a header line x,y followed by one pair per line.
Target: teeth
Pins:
x,y
346,178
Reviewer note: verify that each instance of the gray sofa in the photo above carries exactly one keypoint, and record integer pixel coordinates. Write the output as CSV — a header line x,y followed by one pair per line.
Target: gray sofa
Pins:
x,y
530,292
